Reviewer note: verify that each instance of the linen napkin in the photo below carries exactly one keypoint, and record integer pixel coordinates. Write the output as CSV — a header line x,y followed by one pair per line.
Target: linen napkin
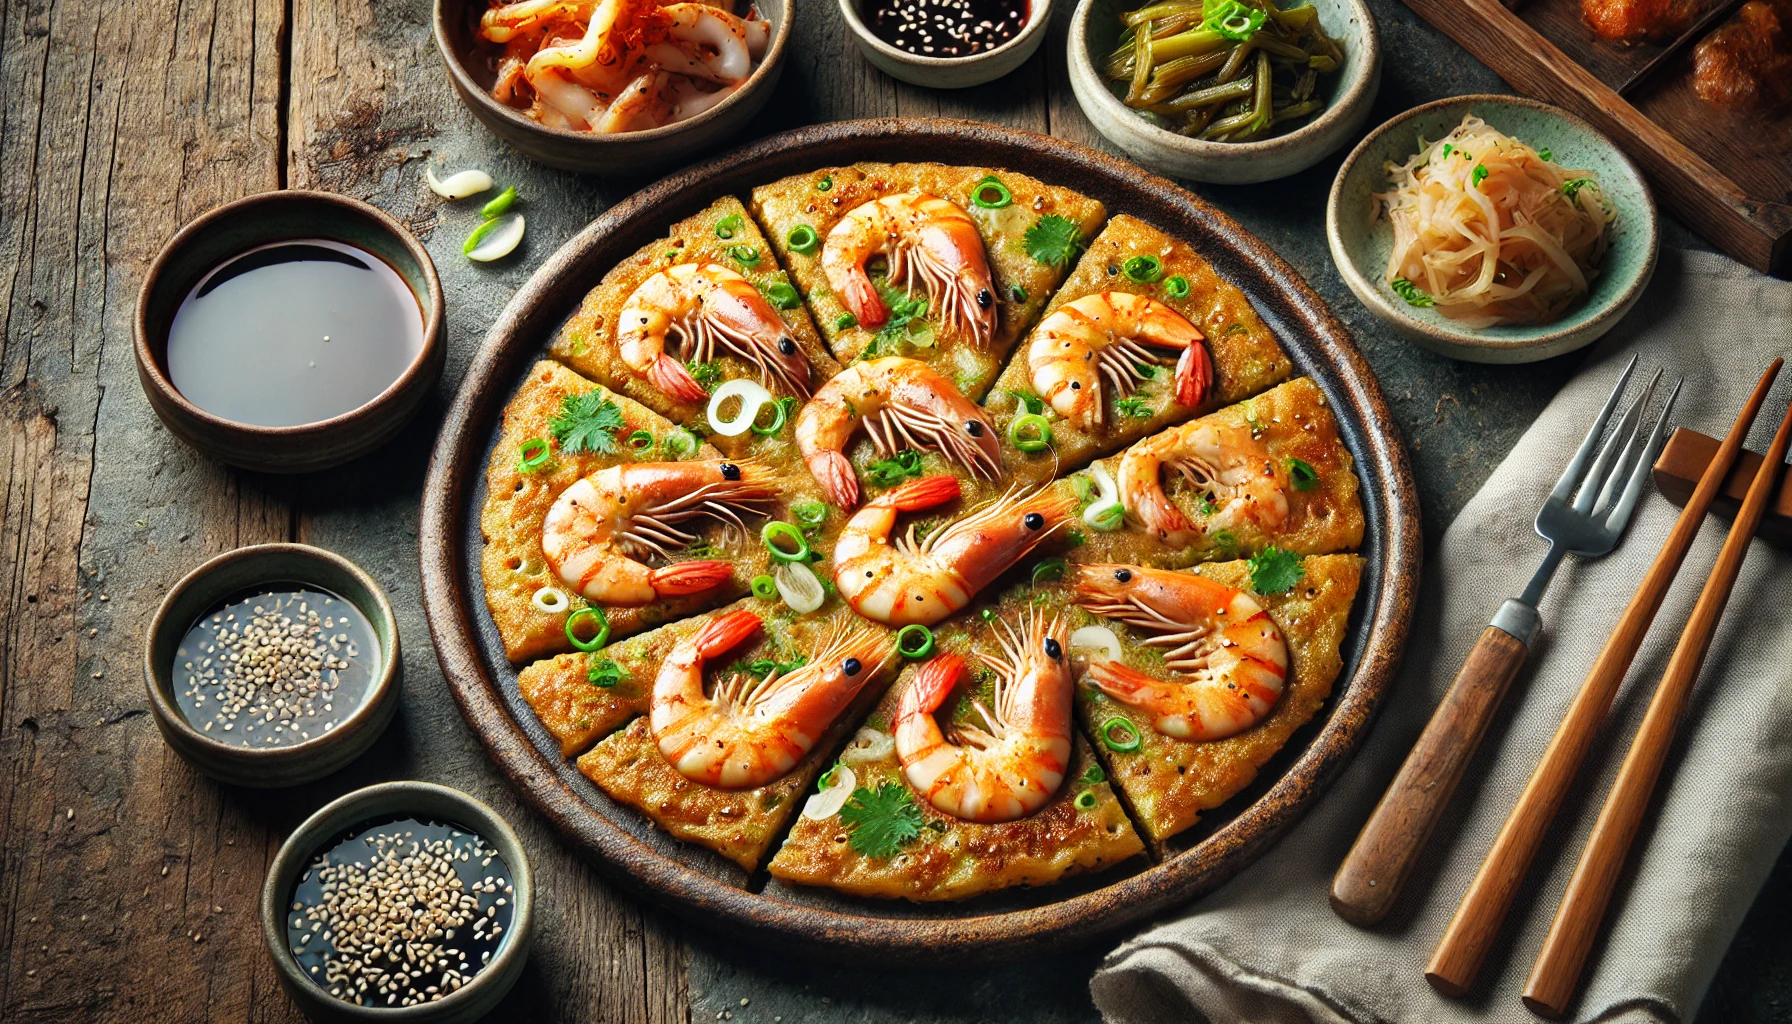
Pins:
x,y
1267,947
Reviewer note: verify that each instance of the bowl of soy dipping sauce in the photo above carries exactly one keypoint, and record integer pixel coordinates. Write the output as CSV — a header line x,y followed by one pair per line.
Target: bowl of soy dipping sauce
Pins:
x,y
402,901
290,331
947,44
273,665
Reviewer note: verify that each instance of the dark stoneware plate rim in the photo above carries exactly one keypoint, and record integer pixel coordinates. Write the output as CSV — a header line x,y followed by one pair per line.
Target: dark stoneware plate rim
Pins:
x,y
483,683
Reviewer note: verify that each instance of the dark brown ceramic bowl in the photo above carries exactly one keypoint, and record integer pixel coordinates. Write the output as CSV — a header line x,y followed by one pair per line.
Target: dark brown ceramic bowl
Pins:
x,y
230,574
257,220
625,154
1011,925
425,800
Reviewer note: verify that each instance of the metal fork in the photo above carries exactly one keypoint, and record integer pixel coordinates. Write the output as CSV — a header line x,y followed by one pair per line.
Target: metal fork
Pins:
x,y
1585,515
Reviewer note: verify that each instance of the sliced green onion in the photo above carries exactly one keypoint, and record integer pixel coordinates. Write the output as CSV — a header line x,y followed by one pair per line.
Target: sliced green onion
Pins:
x,y
991,194
779,415
500,204
777,533
533,454
914,641
745,255
1041,431
800,588
809,513
550,600
680,444
825,183
640,442
1019,293
1176,287
494,239
1106,513
989,614
1544,153
764,588
802,239
1094,776
603,628
753,397
459,185
729,226
1142,269
1085,801
782,296
1048,570
1130,738
845,321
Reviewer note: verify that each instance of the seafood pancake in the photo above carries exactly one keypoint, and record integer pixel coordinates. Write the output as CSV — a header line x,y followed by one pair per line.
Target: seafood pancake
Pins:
x,y
581,698
738,823
1074,356
593,341
1270,470
1168,782
1021,283
518,501
1081,828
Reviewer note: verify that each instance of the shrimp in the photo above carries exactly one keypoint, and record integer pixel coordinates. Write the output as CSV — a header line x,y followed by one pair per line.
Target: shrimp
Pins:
x,y
1224,461
600,526
705,305
1113,335
923,581
749,732
896,400
1230,651
708,42
923,238
1010,769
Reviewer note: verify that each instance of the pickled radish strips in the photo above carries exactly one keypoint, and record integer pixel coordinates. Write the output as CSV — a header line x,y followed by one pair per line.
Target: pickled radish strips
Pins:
x,y
1489,231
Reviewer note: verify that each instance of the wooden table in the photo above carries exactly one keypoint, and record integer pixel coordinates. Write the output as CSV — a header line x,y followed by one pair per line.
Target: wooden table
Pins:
x,y
127,880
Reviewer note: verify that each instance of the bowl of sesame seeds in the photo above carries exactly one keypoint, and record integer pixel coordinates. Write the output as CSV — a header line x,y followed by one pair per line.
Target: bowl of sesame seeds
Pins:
x,y
405,901
947,44
273,665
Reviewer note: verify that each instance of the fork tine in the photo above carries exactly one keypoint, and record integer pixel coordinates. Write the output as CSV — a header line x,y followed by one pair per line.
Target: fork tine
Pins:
x,y
1620,516
1631,429
1571,475
1602,466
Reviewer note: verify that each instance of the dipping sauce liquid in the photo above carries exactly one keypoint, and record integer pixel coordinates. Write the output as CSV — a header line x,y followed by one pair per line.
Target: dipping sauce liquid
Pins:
x,y
275,667
294,332
946,28
400,912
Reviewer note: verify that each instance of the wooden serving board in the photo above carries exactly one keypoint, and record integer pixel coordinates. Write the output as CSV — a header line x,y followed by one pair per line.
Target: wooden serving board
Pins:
x,y
1012,924
1726,175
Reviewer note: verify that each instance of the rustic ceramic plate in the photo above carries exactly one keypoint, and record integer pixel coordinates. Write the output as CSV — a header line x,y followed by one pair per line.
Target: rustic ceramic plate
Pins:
x,y
1009,925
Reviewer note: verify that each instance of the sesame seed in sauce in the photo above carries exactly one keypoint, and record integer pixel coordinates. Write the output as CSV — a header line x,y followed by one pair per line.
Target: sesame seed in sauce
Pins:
x,y
947,28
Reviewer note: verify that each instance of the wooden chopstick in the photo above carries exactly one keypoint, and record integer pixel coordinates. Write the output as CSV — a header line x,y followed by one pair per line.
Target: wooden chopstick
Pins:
x,y
1457,958
1557,972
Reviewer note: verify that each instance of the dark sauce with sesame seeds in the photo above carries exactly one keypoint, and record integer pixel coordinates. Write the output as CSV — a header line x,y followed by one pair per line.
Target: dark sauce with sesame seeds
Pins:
x,y
946,28
437,902
275,666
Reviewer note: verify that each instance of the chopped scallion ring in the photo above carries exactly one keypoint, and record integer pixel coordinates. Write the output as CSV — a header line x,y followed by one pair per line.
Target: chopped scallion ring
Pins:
x,y
1048,570
764,588
803,239
989,614
779,415
550,600
1018,293
1143,269
914,641
499,205
494,239
825,183
753,397
1106,513
800,588
745,255
782,296
1030,433
533,454
729,226
1128,740
680,444
991,194
809,513
640,442
1085,801
1176,287
597,642
845,321
778,533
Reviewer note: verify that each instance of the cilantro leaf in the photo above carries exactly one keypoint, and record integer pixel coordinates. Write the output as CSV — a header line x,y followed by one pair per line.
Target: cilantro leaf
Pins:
x,y
1302,474
1274,571
586,423
892,471
1134,406
880,822
1053,240
707,375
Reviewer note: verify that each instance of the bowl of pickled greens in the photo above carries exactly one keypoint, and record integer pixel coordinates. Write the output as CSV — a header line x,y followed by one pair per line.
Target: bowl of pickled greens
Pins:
x,y
1226,91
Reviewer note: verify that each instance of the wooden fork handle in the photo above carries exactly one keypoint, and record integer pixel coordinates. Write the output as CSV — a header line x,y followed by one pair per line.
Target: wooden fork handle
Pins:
x,y
1376,868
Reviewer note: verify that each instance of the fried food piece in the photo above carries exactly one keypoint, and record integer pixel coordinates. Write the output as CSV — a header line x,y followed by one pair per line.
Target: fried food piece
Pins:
x,y
1747,64
1637,20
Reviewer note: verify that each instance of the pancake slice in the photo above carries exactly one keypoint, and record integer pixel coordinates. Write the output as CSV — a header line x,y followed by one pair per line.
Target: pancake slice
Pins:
x,y
517,503
723,234
739,824
1169,782
939,857
1135,259
1023,276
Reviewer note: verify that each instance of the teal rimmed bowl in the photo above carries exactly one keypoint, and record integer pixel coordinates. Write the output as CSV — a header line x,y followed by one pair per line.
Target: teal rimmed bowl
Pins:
x,y
1361,238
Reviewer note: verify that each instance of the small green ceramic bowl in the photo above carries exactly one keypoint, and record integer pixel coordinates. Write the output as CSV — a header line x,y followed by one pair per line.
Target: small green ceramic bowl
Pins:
x,y
1361,238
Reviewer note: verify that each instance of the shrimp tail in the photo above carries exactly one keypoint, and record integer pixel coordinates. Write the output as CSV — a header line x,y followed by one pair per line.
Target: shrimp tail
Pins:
x,y
670,376
725,632
860,296
834,473
925,493
1120,681
1194,375
683,578
932,684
